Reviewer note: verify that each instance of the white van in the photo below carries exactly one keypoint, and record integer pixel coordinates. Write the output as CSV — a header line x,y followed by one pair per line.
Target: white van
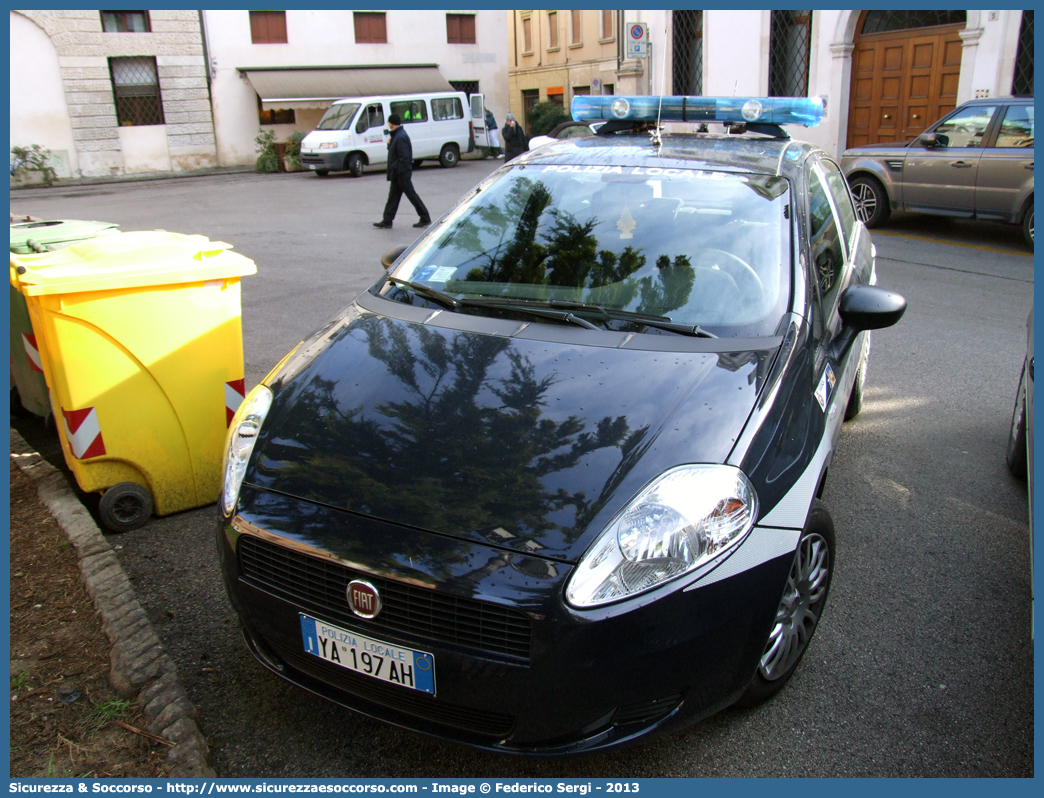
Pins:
x,y
353,133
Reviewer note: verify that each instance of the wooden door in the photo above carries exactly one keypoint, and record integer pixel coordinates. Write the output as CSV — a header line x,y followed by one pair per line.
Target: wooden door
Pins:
x,y
902,81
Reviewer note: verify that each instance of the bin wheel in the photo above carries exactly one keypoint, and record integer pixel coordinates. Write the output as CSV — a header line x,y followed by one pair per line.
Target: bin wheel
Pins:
x,y
124,507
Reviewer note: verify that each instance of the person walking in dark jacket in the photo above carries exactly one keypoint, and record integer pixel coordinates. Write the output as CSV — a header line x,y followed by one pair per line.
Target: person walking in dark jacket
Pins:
x,y
516,141
400,175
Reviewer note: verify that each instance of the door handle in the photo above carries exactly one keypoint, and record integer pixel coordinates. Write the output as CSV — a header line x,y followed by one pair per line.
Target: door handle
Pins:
x,y
961,165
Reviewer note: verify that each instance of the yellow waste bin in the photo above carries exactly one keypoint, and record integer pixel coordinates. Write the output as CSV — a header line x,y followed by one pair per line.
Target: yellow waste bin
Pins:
x,y
142,348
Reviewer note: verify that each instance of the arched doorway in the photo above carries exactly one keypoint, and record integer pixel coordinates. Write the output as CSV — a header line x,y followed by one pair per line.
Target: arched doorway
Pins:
x,y
905,69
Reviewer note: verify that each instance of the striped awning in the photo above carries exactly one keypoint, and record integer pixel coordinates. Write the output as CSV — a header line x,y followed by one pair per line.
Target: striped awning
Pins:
x,y
318,86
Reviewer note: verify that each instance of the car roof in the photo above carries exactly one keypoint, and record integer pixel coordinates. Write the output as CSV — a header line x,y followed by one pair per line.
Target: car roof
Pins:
x,y
735,153
995,100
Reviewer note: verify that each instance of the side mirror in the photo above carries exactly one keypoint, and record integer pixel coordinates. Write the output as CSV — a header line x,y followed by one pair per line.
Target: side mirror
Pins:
x,y
866,307
932,141
388,258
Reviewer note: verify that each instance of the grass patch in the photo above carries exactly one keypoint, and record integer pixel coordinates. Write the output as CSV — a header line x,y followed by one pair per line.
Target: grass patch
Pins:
x,y
105,713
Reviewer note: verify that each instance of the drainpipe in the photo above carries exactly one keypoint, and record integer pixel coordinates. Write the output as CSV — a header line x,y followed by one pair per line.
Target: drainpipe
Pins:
x,y
206,52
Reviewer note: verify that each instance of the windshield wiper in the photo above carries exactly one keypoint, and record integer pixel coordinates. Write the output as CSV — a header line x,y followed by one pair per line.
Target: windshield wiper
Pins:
x,y
434,294
526,307
454,304
659,322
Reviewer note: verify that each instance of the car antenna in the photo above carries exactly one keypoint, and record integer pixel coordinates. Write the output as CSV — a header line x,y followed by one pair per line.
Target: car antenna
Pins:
x,y
656,130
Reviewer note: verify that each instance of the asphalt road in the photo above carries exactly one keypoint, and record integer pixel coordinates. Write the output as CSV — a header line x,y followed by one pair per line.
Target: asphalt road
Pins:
x,y
923,662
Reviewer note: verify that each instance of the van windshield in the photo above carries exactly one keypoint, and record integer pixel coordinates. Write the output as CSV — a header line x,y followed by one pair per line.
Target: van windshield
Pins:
x,y
338,116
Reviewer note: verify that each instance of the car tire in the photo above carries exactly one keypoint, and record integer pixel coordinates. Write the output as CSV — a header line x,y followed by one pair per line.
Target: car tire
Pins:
x,y
1027,225
322,172
449,157
124,507
800,608
855,399
354,165
1016,453
871,200
17,408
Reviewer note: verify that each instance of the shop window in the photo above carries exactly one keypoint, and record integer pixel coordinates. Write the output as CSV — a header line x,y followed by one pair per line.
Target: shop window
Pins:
x,y
275,116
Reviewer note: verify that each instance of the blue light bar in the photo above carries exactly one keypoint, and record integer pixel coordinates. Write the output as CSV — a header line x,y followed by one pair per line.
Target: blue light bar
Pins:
x,y
807,111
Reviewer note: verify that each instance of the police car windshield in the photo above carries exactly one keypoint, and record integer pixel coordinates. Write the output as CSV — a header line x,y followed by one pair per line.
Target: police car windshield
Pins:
x,y
699,247
337,116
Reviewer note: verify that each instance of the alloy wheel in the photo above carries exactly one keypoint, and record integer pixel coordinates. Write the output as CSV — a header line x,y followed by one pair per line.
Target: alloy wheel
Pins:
x,y
865,201
799,608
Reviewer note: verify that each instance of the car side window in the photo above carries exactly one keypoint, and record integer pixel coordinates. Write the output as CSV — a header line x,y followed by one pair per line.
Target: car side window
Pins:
x,y
966,128
373,116
1017,128
838,188
827,252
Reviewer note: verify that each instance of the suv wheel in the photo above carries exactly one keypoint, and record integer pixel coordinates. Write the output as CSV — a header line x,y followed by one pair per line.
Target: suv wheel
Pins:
x,y
871,200
1027,226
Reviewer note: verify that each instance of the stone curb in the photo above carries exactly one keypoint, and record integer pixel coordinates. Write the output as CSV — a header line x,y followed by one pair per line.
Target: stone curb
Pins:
x,y
140,668
67,182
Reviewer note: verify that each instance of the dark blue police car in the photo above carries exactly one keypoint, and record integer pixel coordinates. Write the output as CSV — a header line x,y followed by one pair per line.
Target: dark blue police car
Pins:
x,y
551,485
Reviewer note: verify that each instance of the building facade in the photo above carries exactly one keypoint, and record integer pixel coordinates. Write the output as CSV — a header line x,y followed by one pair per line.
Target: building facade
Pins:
x,y
303,59
884,74
111,93
124,92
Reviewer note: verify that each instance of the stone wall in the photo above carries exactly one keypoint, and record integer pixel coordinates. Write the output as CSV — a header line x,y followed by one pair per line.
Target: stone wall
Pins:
x,y
83,52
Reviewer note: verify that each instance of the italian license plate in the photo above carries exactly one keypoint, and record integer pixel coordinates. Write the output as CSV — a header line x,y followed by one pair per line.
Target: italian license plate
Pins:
x,y
402,666
311,166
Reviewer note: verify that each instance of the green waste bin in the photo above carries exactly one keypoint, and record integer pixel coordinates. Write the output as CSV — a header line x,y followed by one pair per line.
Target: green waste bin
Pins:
x,y
42,236
28,387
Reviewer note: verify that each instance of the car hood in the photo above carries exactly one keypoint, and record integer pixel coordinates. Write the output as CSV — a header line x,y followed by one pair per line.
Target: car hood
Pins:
x,y
523,443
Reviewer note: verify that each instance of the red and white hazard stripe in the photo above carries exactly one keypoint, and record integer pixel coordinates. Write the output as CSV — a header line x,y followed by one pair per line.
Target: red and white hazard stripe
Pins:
x,y
235,393
32,351
83,433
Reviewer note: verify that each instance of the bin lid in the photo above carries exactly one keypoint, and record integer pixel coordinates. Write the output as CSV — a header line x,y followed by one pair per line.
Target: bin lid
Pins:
x,y
55,233
128,260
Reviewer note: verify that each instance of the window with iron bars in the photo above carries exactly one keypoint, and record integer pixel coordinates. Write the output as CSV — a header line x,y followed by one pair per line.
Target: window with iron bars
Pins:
x,y
790,40
1022,83
688,52
135,87
469,87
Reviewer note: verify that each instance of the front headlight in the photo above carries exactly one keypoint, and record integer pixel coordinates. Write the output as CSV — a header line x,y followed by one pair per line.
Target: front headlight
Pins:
x,y
242,435
686,517
328,145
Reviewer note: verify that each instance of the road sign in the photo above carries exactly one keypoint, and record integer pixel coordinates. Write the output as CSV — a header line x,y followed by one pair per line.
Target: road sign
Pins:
x,y
636,40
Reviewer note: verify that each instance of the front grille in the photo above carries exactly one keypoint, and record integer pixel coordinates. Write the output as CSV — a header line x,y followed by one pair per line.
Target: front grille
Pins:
x,y
317,159
321,586
488,724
